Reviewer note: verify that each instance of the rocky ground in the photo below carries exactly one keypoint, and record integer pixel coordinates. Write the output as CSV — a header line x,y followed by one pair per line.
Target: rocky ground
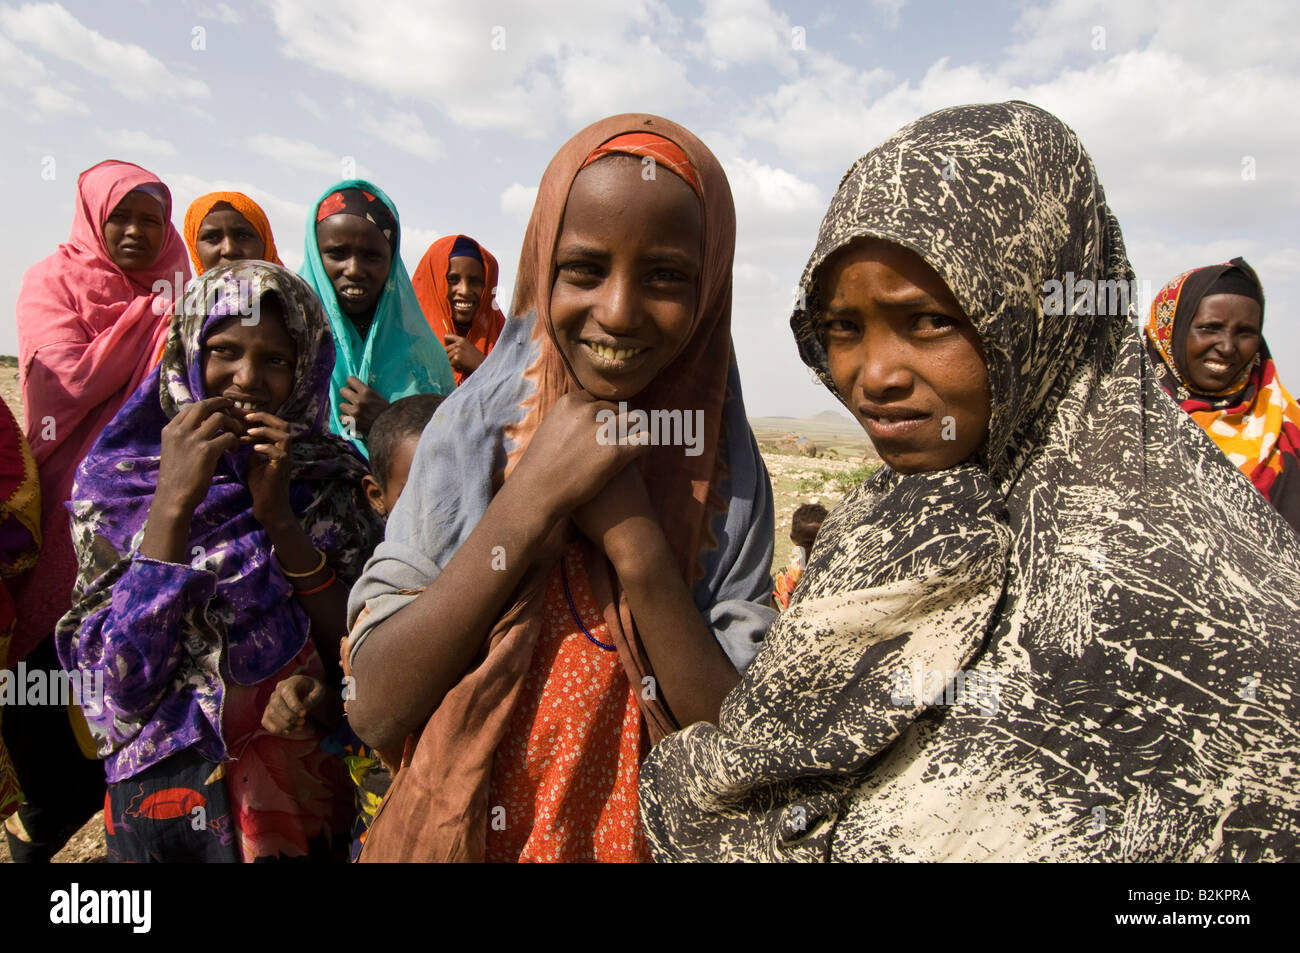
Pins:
x,y
795,480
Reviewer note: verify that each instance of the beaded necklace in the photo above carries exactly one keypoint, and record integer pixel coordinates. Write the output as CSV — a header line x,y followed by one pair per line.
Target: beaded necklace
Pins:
x,y
564,578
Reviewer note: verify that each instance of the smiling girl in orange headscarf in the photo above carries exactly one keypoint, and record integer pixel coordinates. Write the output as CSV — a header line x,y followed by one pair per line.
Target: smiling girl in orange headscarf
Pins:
x,y
547,600
456,283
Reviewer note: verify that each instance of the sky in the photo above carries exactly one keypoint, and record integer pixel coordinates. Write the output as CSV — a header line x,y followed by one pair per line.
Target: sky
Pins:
x,y
1188,109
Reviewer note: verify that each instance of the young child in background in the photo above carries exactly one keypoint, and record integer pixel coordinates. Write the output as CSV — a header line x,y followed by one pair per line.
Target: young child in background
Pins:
x,y
392,447
393,440
804,526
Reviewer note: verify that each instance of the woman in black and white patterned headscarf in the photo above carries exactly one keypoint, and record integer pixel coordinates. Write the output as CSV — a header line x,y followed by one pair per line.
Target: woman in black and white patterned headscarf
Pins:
x,y
1078,636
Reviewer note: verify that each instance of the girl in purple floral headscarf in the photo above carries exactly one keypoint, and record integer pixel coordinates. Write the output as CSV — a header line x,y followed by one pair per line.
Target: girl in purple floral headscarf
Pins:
x,y
217,525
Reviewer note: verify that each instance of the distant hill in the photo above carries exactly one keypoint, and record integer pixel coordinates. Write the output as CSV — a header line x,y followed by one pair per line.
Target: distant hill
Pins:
x,y
828,429
834,416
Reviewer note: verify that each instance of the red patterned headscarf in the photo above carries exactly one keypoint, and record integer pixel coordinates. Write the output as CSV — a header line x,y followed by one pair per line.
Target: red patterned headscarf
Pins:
x,y
1254,421
363,204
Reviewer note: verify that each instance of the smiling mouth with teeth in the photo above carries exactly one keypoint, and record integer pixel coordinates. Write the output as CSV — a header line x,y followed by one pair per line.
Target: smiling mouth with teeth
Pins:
x,y
610,354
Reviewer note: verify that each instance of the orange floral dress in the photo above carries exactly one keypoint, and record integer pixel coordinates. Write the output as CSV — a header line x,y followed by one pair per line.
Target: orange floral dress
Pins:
x,y
564,780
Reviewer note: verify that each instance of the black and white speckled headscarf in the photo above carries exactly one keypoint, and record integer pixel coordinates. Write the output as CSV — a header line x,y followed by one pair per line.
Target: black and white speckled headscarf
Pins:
x,y
1083,646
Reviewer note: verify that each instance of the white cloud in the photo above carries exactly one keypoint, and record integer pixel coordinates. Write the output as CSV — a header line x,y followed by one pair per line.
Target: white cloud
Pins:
x,y
518,200
299,154
309,105
890,11
221,12
128,68
415,242
35,97
129,141
1222,37
1159,125
769,189
631,77
403,130
743,32
517,67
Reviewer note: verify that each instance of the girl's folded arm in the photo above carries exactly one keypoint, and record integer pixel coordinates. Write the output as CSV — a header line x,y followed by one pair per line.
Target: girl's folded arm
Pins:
x,y
413,658
693,671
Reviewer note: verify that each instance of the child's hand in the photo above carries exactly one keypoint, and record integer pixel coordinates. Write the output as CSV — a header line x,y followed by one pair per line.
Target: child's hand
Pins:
x,y
295,699
363,404
569,460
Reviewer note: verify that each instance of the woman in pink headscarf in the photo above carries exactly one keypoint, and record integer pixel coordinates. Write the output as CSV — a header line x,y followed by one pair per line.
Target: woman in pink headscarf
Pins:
x,y
91,318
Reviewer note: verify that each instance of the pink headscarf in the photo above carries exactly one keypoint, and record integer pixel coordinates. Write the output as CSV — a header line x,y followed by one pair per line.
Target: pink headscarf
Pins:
x,y
88,333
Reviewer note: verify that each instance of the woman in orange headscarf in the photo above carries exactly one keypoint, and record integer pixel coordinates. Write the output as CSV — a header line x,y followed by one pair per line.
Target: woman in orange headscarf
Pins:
x,y
554,592
456,284
221,227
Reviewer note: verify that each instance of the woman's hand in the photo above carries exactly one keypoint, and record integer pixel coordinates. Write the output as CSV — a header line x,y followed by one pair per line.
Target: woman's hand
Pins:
x,y
463,355
295,699
269,467
573,454
192,443
363,404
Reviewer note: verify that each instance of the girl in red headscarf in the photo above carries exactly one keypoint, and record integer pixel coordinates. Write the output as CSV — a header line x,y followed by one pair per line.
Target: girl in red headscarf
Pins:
x,y
455,283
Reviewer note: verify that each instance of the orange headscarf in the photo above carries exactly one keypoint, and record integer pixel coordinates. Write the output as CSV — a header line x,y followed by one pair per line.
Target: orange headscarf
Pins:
x,y
242,204
430,283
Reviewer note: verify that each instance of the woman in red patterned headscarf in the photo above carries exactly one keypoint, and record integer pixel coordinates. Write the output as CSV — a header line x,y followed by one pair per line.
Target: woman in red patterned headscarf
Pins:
x,y
1204,338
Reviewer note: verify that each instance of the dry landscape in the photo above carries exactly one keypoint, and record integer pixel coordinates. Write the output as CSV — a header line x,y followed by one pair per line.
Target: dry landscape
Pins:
x,y
796,479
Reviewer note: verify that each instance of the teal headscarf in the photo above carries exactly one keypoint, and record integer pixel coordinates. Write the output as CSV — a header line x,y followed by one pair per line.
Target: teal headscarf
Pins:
x,y
400,355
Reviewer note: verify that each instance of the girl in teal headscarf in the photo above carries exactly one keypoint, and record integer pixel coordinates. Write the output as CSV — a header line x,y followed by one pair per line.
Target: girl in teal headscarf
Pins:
x,y
385,347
